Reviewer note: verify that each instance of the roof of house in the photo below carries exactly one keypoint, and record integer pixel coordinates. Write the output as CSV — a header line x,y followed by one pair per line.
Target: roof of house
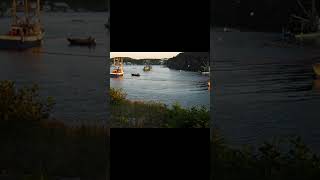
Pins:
x,y
61,4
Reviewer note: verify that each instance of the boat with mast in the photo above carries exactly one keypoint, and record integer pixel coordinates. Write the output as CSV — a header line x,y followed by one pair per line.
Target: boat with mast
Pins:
x,y
117,67
147,66
306,25
25,32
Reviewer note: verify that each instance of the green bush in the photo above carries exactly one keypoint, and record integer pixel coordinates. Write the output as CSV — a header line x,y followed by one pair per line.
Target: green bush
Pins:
x,y
117,96
195,117
23,104
126,113
34,146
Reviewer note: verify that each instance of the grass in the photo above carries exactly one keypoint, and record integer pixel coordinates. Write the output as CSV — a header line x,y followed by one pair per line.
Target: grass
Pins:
x,y
279,159
138,114
34,147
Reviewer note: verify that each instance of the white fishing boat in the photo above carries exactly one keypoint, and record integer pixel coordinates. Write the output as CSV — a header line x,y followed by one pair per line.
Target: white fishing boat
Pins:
x,y
117,68
25,32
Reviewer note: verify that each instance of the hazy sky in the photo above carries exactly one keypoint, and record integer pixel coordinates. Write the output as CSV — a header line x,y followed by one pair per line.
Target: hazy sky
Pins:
x,y
142,55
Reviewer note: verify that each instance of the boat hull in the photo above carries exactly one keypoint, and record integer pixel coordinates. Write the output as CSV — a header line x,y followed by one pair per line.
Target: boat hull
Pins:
x,y
113,75
16,42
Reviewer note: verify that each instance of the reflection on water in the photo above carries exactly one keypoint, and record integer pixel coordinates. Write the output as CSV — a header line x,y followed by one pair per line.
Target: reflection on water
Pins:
x,y
164,85
264,91
74,76
316,85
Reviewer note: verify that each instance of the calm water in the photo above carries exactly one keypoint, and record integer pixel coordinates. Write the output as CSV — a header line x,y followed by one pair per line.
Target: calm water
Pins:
x,y
263,91
164,85
74,76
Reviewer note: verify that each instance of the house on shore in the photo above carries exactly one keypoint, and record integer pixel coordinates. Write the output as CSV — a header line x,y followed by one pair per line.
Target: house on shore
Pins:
x,y
60,7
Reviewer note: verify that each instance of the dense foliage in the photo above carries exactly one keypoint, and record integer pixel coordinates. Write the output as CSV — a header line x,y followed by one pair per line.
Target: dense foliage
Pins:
x,y
23,104
126,113
280,159
34,146
190,61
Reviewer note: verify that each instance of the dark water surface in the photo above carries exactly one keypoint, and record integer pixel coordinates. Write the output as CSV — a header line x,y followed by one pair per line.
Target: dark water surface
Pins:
x,y
262,91
74,76
164,85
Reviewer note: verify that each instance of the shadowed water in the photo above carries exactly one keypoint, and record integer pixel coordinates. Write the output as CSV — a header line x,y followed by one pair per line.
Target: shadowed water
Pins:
x,y
164,85
74,76
262,90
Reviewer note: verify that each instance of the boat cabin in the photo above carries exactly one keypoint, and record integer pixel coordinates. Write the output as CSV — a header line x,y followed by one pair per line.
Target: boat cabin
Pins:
x,y
117,70
16,31
21,30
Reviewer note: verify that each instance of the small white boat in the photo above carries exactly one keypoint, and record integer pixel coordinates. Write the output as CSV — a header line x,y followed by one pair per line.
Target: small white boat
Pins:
x,y
147,68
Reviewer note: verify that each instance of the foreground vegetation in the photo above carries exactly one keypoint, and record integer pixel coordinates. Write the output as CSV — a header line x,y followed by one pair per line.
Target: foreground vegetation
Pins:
x,y
126,113
35,147
277,160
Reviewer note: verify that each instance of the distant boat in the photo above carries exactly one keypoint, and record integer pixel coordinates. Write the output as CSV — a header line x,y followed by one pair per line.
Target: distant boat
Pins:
x,y
82,41
137,74
25,32
147,68
118,68
316,69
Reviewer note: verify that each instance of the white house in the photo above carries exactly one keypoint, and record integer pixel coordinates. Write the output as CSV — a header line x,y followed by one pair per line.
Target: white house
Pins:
x,y
60,6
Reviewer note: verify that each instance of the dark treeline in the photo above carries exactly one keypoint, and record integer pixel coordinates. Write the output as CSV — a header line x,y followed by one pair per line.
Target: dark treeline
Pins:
x,y
92,5
269,15
187,61
190,61
140,61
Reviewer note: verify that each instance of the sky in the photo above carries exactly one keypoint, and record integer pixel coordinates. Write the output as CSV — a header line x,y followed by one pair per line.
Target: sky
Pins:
x,y
142,55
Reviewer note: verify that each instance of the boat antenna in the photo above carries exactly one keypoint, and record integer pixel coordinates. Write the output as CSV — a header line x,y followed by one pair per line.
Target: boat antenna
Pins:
x,y
38,10
26,10
14,11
